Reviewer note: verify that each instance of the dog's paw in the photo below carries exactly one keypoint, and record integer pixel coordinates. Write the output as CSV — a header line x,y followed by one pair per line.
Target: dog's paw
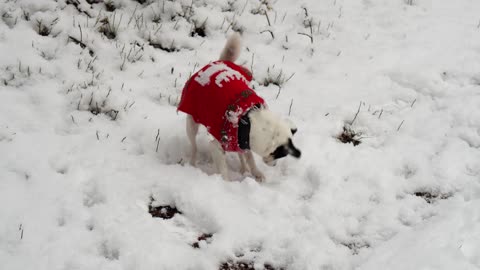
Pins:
x,y
259,176
227,178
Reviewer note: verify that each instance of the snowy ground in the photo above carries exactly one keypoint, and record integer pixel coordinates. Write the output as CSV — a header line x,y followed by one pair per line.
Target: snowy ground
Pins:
x,y
89,133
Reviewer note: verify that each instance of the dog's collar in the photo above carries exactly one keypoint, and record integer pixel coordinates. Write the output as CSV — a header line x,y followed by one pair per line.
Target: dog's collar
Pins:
x,y
244,128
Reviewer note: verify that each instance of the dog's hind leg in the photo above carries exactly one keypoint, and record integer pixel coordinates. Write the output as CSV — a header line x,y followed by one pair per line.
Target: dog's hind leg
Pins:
x,y
192,130
218,156
259,176
243,163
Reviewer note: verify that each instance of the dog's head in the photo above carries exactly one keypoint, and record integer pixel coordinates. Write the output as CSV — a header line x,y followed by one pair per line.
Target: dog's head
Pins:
x,y
271,136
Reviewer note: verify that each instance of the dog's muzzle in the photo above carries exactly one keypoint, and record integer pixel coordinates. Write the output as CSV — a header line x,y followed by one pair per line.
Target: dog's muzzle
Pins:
x,y
269,161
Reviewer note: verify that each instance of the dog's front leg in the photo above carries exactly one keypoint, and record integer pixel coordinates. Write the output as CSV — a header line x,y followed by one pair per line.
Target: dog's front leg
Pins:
x,y
243,163
218,156
259,176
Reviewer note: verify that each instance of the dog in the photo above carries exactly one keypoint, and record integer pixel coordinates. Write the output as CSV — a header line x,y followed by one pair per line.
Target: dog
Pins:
x,y
218,97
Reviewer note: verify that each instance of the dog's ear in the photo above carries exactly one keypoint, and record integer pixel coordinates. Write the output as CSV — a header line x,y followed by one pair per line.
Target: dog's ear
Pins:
x,y
292,150
293,130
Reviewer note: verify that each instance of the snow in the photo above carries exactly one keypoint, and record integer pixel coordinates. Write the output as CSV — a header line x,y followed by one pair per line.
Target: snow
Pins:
x,y
87,138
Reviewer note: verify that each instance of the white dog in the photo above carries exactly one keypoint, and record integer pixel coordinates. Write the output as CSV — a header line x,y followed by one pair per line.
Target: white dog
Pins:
x,y
219,97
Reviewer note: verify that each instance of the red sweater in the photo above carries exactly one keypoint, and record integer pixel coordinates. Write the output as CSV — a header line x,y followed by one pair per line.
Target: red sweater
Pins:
x,y
216,97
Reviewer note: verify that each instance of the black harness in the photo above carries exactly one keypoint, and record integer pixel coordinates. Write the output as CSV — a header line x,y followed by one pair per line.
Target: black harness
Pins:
x,y
244,128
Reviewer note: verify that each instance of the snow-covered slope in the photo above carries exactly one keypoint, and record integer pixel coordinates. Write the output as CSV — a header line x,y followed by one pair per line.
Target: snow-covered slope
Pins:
x,y
89,135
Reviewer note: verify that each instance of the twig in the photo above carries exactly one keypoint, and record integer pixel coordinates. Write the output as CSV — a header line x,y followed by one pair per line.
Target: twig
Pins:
x,y
123,64
76,5
278,93
244,7
91,61
251,66
305,34
230,24
306,11
79,101
400,125
158,142
289,77
380,115
158,134
194,67
270,31
124,138
415,100
223,22
358,111
98,137
81,34
20,228
97,20
82,45
133,14
268,19
290,109
310,23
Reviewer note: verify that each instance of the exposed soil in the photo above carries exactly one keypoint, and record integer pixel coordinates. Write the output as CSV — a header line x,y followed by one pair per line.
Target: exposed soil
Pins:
x,y
243,265
163,211
431,197
204,237
348,135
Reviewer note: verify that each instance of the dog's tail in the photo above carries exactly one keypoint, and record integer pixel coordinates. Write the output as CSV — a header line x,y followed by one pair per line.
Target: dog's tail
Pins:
x,y
232,49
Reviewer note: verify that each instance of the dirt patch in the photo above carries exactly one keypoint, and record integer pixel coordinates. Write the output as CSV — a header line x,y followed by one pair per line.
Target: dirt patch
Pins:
x,y
207,237
199,30
431,197
108,28
158,45
349,135
162,211
242,265
355,247
110,6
